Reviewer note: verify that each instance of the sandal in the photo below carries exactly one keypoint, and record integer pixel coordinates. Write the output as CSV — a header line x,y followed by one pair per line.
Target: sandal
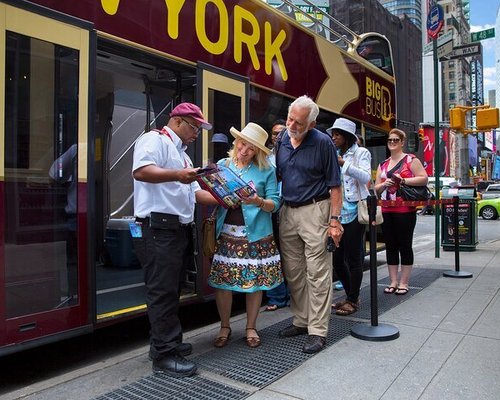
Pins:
x,y
348,308
271,307
221,341
338,304
252,341
390,289
401,291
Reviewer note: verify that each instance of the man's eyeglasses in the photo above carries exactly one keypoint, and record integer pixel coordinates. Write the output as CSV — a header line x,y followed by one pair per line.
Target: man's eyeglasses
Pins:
x,y
195,128
395,140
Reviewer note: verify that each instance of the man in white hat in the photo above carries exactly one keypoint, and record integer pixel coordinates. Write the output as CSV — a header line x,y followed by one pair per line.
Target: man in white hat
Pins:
x,y
308,165
355,164
164,200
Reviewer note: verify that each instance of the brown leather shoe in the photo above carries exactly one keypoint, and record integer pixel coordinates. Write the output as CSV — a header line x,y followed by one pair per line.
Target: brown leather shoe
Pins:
x,y
252,341
313,344
221,341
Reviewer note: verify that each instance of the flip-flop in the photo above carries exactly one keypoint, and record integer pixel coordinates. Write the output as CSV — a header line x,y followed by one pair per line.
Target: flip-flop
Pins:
x,y
271,307
401,291
390,289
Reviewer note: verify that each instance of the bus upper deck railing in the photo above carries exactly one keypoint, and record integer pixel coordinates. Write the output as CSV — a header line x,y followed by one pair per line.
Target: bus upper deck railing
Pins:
x,y
348,37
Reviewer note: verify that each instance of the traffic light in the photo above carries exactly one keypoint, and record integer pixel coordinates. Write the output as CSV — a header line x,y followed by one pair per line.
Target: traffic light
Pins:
x,y
487,119
421,134
457,119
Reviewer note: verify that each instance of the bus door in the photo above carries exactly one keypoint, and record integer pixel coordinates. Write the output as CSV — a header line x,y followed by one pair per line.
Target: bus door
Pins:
x,y
43,163
224,101
136,89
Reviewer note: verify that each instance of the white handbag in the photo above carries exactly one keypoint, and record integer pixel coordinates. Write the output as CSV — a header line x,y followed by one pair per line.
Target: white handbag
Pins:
x,y
363,216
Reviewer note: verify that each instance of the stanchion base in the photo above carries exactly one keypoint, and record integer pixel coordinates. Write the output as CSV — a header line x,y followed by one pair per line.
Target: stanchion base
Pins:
x,y
457,274
379,333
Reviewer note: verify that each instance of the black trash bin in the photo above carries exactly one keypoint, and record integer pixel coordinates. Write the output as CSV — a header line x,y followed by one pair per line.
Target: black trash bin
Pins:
x,y
467,219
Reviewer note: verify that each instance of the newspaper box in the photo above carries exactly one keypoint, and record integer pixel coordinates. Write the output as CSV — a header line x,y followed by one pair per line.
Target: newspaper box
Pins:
x,y
467,219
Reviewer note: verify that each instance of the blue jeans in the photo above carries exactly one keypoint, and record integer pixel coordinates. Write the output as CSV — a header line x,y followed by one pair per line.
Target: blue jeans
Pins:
x,y
278,296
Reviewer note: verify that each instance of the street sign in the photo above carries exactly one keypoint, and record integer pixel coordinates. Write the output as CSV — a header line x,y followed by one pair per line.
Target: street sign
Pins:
x,y
445,49
481,35
443,39
435,21
467,50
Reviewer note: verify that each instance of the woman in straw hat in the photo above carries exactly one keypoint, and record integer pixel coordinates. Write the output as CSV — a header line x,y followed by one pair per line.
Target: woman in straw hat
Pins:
x,y
246,257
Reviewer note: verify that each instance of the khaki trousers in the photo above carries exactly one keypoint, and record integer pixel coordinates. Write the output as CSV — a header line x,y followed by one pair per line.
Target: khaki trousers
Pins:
x,y
307,264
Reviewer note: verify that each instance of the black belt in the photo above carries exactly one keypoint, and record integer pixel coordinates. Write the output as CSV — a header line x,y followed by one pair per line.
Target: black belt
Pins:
x,y
307,202
146,221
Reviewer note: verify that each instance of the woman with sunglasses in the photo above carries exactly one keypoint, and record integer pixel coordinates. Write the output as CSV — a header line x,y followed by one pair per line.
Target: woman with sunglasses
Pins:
x,y
399,221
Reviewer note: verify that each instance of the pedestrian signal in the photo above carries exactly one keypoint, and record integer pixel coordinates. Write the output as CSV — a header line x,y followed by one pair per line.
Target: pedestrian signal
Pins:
x,y
487,119
457,119
421,134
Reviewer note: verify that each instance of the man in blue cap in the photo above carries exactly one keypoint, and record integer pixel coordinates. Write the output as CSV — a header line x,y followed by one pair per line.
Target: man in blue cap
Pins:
x,y
221,146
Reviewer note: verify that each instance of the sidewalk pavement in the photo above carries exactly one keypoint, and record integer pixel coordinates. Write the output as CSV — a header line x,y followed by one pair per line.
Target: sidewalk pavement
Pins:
x,y
449,347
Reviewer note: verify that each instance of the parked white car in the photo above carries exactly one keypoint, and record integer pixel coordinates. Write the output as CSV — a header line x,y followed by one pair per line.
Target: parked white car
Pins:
x,y
491,192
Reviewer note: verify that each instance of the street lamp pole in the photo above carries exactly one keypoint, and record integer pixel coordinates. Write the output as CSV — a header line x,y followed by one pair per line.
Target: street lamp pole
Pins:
x,y
436,145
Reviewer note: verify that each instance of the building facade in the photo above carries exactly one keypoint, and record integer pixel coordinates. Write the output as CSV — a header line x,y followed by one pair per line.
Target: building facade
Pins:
x,y
370,16
456,74
411,8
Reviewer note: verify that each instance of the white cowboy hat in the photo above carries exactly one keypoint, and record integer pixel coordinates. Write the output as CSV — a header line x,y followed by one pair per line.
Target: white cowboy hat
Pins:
x,y
253,134
344,125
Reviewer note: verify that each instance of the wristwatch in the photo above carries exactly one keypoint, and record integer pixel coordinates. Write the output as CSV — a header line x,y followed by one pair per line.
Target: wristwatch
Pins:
x,y
335,217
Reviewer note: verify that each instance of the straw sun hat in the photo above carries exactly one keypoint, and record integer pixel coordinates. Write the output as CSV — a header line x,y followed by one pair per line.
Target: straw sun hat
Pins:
x,y
254,134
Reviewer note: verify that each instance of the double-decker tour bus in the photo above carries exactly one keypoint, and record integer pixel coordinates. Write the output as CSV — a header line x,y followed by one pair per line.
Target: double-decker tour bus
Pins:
x,y
82,80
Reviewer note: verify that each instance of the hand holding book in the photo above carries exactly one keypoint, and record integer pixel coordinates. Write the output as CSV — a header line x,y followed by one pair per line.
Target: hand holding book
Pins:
x,y
227,187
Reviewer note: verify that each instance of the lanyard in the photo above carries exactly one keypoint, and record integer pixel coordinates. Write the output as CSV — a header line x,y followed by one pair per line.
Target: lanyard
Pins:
x,y
165,132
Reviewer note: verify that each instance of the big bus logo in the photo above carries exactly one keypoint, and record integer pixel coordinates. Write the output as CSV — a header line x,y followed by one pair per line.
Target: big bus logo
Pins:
x,y
248,39
378,100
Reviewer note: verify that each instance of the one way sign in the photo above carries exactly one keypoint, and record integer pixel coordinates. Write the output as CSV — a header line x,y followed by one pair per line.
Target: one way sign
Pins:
x,y
467,50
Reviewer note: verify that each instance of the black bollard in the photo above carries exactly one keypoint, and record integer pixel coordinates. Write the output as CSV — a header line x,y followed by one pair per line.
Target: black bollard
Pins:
x,y
457,273
375,332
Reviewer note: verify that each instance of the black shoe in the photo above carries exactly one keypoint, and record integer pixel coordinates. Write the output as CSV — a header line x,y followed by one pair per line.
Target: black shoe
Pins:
x,y
184,349
313,344
174,365
292,330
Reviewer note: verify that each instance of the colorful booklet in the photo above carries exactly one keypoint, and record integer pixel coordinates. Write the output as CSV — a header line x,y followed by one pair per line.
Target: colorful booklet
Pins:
x,y
227,187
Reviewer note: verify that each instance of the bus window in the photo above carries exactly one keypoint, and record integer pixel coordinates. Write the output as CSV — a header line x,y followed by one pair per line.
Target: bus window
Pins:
x,y
41,125
377,51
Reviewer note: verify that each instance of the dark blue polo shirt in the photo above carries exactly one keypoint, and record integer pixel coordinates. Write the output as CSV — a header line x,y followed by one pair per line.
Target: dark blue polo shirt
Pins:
x,y
310,170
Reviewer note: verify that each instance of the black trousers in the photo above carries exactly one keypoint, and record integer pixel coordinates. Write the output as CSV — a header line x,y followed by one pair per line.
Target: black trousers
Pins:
x,y
348,259
162,254
398,235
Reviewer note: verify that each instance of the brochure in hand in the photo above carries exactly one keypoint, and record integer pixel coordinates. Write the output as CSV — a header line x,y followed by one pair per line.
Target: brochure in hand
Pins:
x,y
227,187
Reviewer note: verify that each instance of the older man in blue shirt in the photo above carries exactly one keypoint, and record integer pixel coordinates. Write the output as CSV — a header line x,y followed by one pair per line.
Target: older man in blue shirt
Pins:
x,y
311,188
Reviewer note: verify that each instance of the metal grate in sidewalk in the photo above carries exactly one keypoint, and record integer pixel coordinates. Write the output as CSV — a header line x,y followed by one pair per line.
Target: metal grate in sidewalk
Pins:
x,y
265,364
420,279
268,362
163,387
